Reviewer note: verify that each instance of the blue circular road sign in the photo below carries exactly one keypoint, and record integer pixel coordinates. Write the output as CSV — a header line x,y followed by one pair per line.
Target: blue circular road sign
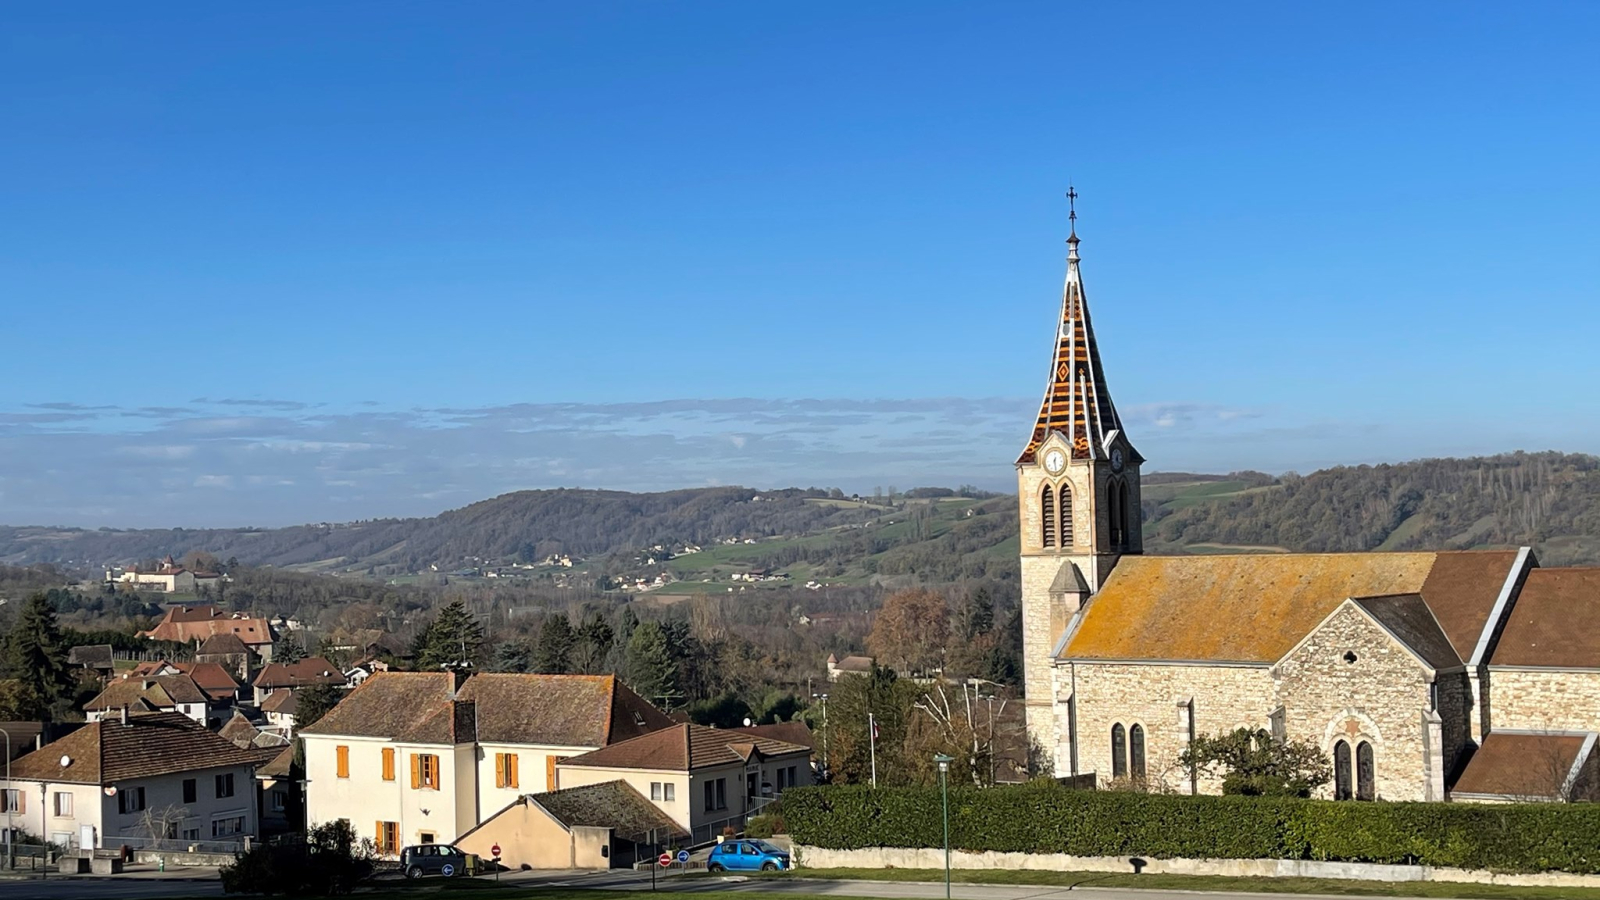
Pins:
x,y
683,856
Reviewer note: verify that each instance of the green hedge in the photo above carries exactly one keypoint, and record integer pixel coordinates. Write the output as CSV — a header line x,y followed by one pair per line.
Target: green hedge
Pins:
x,y
1042,819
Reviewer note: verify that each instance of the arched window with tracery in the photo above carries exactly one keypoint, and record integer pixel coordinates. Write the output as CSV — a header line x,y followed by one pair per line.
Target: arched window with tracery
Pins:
x,y
1065,506
1136,750
1341,771
1047,517
1119,752
1366,777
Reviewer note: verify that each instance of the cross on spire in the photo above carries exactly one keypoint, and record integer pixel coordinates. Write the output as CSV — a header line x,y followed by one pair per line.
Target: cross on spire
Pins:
x,y
1072,210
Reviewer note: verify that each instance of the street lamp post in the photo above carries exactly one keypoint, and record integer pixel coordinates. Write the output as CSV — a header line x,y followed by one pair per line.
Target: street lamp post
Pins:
x,y
944,798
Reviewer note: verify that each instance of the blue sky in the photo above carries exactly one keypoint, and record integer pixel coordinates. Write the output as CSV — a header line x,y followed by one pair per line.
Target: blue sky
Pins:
x,y
332,261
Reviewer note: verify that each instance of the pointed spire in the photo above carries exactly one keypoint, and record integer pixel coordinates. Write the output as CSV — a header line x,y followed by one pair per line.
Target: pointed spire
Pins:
x,y
1077,403
1072,222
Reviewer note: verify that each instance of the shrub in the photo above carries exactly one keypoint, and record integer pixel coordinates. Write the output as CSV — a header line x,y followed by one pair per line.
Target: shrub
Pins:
x,y
329,862
1040,818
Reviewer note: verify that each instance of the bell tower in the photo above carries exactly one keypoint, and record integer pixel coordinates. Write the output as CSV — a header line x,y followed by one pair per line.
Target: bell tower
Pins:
x,y
1078,493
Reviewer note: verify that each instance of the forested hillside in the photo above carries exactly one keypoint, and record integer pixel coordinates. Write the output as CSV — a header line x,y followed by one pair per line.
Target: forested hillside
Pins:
x,y
1549,500
524,526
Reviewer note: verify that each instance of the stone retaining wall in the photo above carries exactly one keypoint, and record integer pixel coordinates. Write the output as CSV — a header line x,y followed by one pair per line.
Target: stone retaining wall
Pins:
x,y
185,858
908,858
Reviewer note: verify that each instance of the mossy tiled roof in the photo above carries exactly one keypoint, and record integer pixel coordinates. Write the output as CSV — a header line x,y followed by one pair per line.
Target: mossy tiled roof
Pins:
x,y
1254,608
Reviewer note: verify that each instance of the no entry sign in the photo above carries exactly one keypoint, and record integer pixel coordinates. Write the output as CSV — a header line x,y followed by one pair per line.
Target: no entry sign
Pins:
x,y
665,859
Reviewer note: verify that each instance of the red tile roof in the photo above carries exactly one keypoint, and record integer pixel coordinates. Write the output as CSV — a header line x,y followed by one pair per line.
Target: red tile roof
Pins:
x,y
559,710
1522,766
301,673
108,751
1552,624
682,748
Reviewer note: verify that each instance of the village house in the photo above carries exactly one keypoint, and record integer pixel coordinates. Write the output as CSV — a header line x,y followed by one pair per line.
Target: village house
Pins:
x,y
705,779
599,826
850,665
194,624
115,780
302,673
227,651
412,757
144,694
168,577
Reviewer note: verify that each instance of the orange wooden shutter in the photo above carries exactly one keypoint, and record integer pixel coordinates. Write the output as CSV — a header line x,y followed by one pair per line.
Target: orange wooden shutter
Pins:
x,y
499,770
342,755
550,773
416,771
388,764
511,769
378,830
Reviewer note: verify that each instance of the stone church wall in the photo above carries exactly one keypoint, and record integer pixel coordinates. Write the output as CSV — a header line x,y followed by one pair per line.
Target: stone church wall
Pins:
x,y
1156,696
1544,700
1381,697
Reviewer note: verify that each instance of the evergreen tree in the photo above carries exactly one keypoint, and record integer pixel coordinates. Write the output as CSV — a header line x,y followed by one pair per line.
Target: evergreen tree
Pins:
x,y
288,650
651,670
453,638
37,658
977,616
594,644
513,656
312,703
556,639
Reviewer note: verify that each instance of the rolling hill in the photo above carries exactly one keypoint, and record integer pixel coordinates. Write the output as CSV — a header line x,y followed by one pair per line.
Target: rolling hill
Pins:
x,y
1550,500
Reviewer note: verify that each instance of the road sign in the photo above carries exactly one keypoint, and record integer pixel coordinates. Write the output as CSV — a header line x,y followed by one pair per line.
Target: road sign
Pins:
x,y
683,856
447,870
495,851
665,859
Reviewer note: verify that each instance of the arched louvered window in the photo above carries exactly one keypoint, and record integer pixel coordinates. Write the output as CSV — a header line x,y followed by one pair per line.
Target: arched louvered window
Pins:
x,y
1130,516
1136,750
1047,517
1341,771
1067,538
1119,514
1119,752
1366,787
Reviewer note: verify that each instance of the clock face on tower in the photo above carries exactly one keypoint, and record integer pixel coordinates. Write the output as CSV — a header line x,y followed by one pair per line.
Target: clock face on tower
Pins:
x,y
1116,459
1055,461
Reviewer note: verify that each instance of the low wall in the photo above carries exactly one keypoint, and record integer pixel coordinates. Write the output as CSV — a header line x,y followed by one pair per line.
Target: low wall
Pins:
x,y
909,858
185,858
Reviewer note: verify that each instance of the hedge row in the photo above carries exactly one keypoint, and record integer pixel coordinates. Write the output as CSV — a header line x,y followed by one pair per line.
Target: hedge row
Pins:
x,y
1534,837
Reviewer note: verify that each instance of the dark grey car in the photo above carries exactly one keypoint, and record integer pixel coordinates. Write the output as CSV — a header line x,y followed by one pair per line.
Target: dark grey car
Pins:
x,y
432,859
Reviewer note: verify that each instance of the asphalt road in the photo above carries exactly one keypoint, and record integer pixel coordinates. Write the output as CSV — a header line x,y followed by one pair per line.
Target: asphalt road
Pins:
x,y
146,887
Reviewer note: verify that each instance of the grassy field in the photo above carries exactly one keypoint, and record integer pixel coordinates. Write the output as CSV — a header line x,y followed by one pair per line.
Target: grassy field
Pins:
x,y
1326,886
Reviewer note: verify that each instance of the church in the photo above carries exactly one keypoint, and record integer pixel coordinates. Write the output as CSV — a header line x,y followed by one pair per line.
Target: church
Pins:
x,y
1422,676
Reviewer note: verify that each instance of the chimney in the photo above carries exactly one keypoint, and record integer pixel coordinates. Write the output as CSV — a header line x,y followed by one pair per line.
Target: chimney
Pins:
x,y
124,714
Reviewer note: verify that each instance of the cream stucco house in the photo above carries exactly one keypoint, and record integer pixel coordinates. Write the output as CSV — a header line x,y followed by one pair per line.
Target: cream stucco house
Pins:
x,y
112,778
705,779
419,757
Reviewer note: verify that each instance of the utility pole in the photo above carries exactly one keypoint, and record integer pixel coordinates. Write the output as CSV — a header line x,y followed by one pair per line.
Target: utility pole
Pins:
x,y
872,745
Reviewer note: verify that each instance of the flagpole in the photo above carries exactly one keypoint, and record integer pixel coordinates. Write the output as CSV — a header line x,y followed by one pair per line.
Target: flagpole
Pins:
x,y
872,743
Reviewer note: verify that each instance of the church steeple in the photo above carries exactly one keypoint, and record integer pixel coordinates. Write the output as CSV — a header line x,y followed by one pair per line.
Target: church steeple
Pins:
x,y
1077,402
1078,503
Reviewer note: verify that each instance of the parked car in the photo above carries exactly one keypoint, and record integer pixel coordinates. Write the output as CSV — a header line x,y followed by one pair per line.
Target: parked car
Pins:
x,y
748,856
432,859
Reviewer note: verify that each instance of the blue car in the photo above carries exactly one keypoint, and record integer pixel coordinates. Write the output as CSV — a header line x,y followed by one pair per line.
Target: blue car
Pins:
x,y
747,856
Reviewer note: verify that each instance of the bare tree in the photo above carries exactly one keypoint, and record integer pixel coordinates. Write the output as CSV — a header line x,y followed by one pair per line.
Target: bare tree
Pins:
x,y
970,728
161,823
